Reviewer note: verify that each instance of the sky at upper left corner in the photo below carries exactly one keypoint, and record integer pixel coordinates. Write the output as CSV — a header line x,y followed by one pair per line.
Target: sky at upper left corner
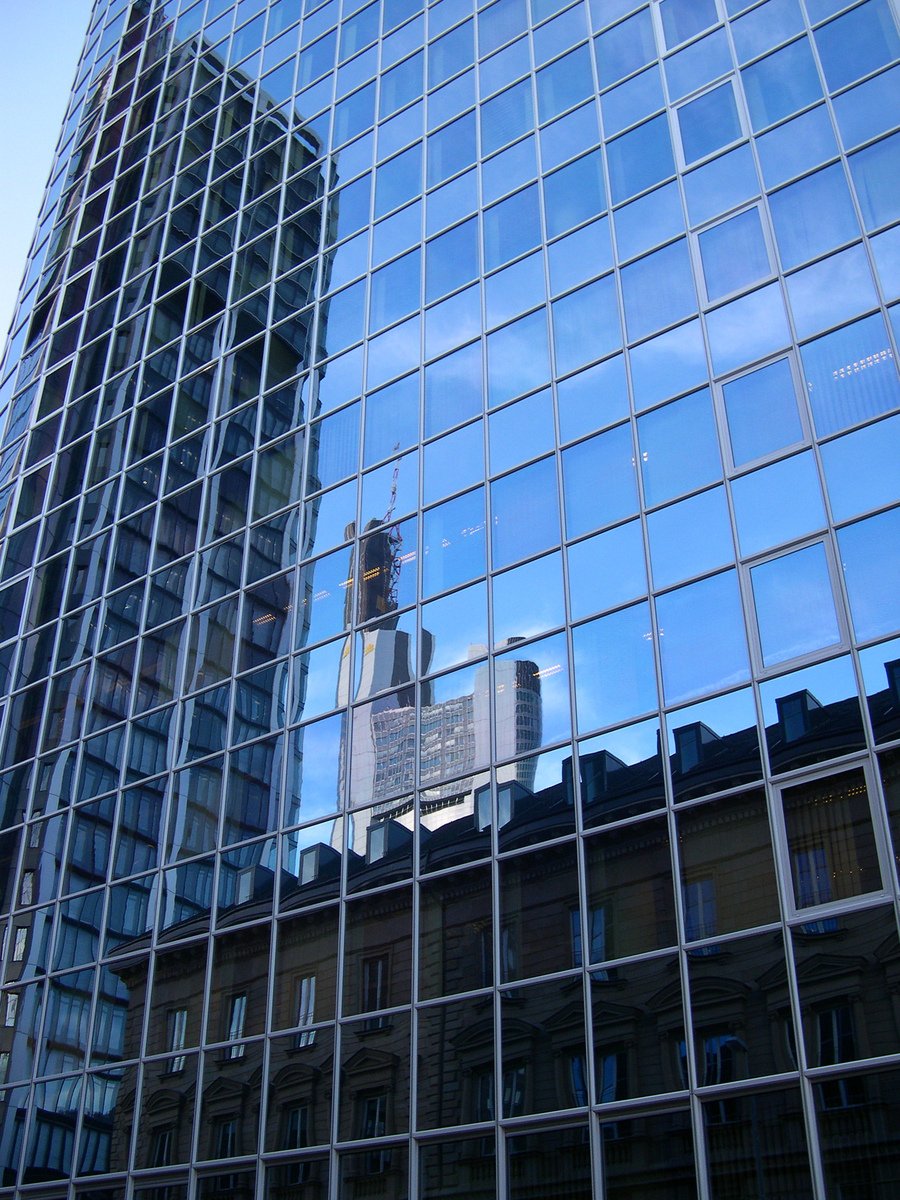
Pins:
x,y
40,44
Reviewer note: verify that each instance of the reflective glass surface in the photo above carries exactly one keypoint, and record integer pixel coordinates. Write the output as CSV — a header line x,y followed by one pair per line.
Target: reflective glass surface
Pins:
x,y
449,677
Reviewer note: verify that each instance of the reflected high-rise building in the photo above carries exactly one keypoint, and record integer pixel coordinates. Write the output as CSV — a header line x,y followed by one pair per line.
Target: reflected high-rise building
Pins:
x,y
449,637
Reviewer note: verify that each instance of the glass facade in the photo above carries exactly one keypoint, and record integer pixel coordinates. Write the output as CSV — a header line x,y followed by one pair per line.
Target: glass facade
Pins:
x,y
449,620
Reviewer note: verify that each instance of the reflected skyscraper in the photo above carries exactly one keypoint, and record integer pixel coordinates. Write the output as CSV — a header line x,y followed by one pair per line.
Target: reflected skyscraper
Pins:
x,y
449,632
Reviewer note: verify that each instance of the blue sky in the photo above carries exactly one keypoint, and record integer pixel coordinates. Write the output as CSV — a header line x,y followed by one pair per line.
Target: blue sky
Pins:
x,y
40,41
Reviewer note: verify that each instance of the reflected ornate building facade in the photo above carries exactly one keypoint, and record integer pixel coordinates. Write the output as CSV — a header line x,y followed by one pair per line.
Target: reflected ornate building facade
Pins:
x,y
449,637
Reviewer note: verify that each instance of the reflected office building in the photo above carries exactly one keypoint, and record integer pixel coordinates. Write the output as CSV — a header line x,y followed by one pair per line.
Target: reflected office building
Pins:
x,y
449,621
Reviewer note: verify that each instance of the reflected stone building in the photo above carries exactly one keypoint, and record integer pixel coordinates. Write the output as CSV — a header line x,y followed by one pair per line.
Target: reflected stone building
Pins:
x,y
449,625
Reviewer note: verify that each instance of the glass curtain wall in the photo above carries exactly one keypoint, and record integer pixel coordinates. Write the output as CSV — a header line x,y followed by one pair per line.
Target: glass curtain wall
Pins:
x,y
449,623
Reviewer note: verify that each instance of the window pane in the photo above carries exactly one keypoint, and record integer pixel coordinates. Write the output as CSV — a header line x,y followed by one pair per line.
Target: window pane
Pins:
x,y
861,468
850,375
615,674
795,609
607,570
830,291
873,578
830,839
813,216
811,714
599,481
728,843
780,84
733,254
778,503
748,328
586,325
524,513
702,638
648,306
857,43
639,159
690,538
666,469
761,408
769,1120
709,123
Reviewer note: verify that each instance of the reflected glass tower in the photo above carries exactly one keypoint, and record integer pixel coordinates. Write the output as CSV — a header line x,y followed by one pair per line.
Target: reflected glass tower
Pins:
x,y
449,621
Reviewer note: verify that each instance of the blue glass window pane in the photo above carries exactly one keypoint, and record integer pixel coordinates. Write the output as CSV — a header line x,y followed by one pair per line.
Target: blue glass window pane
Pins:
x,y
857,43
453,389
451,202
508,170
394,353
721,184
453,543
452,321
812,216
580,255
455,623
873,577
524,513
795,611
557,35
511,227
632,101
875,172
868,109
698,64
850,375
506,117
796,146
451,149
392,419
702,639
777,504
528,600
639,159
501,22
748,328
451,53
831,291
690,538
400,231
451,260
780,84
452,462
765,27
518,358
569,136
709,123
401,85
733,254
564,84
592,398
625,48
647,221
500,70
514,289
607,570
574,194
586,325
683,19
886,251
614,669
521,431
599,482
395,290
604,12
668,364
658,290
667,468
861,469
761,408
